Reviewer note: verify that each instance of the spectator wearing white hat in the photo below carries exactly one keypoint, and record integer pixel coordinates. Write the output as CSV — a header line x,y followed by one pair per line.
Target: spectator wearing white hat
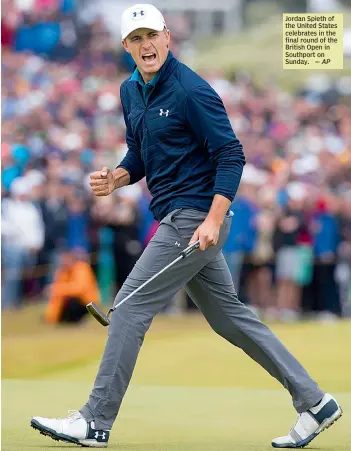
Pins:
x,y
22,237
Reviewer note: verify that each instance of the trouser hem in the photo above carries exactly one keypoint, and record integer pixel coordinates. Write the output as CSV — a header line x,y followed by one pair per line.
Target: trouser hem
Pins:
x,y
302,407
88,416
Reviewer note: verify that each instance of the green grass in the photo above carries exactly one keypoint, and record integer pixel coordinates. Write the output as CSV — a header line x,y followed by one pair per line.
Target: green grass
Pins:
x,y
190,391
166,418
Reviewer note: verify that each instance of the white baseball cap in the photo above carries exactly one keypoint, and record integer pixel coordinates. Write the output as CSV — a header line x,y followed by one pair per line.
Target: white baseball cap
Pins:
x,y
141,16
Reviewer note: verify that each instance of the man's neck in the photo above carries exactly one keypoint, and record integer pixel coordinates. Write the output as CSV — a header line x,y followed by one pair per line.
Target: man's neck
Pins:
x,y
147,76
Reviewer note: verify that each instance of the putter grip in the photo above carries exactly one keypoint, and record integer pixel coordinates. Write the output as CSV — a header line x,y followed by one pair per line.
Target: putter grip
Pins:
x,y
190,249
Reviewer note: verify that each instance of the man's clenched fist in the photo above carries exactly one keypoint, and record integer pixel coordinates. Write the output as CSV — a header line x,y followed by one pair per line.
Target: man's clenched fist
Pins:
x,y
102,182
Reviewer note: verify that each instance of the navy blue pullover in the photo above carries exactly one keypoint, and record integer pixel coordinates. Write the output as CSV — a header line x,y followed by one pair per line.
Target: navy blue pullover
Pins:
x,y
181,140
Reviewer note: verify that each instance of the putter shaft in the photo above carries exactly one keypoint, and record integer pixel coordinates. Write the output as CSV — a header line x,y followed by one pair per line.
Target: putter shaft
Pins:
x,y
103,319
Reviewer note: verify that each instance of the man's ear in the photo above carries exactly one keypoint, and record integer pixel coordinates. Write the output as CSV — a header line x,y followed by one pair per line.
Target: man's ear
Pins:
x,y
125,45
168,34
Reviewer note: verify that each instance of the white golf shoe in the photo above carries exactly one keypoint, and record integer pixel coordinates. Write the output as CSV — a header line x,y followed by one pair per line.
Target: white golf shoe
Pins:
x,y
73,429
310,423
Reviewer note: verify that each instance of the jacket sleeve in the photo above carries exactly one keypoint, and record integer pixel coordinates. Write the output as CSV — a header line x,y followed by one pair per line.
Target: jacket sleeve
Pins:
x,y
209,121
132,161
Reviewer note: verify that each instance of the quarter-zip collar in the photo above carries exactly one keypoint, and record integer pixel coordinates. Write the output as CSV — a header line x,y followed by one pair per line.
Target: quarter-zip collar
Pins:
x,y
162,75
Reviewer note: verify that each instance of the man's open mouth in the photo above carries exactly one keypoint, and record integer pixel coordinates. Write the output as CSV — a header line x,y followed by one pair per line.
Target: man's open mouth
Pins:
x,y
148,57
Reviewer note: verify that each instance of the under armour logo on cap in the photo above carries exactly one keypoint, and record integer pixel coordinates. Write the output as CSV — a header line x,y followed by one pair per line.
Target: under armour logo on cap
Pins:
x,y
141,15
138,14
164,112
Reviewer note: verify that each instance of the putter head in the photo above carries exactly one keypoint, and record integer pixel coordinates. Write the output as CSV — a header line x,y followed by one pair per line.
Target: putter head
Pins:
x,y
98,314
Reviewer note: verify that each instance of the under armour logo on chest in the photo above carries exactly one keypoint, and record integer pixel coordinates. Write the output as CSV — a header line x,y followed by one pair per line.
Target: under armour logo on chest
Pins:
x,y
164,113
98,434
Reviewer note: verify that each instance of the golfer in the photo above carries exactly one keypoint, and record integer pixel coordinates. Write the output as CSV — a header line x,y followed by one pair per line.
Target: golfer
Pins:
x,y
179,138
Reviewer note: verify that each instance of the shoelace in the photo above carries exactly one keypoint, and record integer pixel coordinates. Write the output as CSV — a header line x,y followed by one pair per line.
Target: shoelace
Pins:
x,y
72,416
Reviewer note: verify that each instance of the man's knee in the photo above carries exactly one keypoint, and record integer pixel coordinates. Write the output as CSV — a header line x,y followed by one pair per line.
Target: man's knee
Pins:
x,y
225,320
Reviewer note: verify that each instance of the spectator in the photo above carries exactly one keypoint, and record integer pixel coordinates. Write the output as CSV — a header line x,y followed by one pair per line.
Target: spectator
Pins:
x,y
22,239
242,235
73,288
289,226
119,214
326,238
262,298
54,212
10,170
10,19
343,269
77,222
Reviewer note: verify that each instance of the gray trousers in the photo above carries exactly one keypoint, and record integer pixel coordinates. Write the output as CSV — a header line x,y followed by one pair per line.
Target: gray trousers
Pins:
x,y
207,280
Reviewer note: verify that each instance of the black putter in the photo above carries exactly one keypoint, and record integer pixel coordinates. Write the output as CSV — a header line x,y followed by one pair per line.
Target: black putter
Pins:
x,y
103,319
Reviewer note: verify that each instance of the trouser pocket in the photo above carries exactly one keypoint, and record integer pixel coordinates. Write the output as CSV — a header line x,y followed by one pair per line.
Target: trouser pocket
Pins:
x,y
186,221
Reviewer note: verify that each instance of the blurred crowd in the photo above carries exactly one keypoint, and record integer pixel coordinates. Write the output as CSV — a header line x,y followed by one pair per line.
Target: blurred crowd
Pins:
x,y
290,245
289,250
